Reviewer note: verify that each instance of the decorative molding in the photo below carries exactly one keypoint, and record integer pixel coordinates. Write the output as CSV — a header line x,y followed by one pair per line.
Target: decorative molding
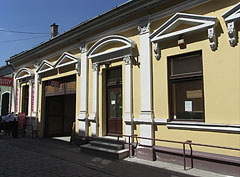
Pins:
x,y
230,17
128,47
60,62
212,38
78,67
95,67
205,127
199,22
144,28
128,60
232,33
156,50
83,48
44,67
23,73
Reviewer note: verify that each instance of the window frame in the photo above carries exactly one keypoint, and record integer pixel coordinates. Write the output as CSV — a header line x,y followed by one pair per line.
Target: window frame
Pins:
x,y
193,76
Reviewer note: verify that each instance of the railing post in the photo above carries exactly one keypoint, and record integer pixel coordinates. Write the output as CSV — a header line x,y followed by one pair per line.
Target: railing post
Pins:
x,y
184,158
129,151
190,145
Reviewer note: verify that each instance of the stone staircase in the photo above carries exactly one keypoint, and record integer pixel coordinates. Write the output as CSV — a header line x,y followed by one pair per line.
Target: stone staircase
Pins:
x,y
106,147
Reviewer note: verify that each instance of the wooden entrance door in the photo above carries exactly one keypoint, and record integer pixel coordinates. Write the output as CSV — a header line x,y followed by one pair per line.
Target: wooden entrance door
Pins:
x,y
114,100
114,110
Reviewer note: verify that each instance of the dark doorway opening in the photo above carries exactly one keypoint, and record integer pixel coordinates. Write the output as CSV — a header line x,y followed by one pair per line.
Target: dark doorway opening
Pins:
x,y
114,100
60,106
25,97
5,104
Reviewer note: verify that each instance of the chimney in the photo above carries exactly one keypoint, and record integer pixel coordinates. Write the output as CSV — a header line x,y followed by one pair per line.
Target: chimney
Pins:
x,y
54,30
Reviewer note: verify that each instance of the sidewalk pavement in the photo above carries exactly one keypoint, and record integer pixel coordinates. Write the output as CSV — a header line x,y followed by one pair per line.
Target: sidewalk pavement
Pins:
x,y
54,157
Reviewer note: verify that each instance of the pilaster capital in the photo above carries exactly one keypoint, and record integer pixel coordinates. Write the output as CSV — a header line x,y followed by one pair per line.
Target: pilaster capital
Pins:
x,y
36,67
30,82
95,66
83,48
144,28
128,60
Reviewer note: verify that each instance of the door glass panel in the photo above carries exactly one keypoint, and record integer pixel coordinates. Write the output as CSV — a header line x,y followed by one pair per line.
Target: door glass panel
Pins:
x,y
112,103
119,103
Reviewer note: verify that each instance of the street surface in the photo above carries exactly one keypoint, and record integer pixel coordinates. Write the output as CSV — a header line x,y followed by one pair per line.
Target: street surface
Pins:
x,y
27,157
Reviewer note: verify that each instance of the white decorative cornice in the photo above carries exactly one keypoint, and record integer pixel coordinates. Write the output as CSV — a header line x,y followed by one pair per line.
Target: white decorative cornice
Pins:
x,y
144,28
83,48
44,67
198,22
95,67
230,17
128,47
23,73
66,59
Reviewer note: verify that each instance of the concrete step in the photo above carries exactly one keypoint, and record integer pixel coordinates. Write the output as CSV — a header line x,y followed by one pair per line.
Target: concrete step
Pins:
x,y
109,153
109,140
107,145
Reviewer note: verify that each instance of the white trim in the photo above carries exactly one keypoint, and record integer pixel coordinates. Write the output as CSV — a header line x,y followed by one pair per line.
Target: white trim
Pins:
x,y
19,95
230,17
94,115
128,117
45,63
146,72
232,14
83,114
14,94
201,23
59,63
127,49
205,127
23,70
35,106
65,55
30,98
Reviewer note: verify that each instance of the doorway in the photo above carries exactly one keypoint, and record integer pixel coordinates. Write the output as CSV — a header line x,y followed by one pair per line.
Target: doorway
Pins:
x,y
5,103
114,100
60,106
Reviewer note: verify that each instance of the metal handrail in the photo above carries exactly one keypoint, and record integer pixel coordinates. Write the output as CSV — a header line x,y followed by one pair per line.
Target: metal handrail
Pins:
x,y
189,142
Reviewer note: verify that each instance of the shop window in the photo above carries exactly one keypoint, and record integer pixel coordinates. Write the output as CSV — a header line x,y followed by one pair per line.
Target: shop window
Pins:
x,y
185,79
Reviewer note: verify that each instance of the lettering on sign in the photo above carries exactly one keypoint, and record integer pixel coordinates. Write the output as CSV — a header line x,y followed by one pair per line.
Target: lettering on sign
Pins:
x,y
6,81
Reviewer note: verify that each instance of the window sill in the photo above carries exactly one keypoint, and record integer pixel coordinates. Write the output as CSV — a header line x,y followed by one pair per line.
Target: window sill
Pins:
x,y
204,126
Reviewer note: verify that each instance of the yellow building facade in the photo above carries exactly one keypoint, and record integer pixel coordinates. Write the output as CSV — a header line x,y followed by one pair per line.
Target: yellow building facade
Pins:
x,y
162,70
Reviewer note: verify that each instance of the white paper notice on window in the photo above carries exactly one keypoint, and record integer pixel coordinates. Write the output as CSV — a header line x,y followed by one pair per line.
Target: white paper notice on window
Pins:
x,y
188,106
113,102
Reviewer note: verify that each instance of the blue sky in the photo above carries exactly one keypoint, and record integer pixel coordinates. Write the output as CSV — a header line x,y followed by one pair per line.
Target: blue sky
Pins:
x,y
37,16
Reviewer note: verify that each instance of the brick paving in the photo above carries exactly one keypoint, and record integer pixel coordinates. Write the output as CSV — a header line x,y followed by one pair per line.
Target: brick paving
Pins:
x,y
25,157
16,161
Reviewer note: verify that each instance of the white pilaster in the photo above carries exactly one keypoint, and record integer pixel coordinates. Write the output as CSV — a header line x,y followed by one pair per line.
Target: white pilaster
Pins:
x,y
128,96
94,115
83,114
30,98
18,97
35,105
14,94
146,85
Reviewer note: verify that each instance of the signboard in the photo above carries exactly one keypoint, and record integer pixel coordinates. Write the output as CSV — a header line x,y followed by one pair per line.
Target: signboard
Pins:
x,y
6,81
